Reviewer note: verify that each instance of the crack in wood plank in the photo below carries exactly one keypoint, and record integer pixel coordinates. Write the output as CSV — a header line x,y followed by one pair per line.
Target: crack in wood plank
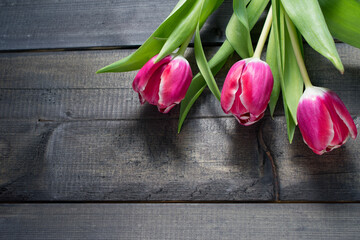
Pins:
x,y
272,162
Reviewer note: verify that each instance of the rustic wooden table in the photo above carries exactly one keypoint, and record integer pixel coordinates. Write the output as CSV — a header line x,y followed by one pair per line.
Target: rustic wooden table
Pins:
x,y
81,158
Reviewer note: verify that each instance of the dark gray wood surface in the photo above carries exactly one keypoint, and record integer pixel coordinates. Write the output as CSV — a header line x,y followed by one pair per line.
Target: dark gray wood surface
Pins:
x,y
140,160
304,176
89,23
63,85
78,136
179,221
71,140
213,159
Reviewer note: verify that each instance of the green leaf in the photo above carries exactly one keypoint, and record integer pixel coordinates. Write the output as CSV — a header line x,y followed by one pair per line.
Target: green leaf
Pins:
x,y
209,6
197,86
239,7
239,37
160,39
177,6
309,20
343,19
238,31
151,46
183,12
277,28
181,32
186,27
271,59
293,82
280,42
290,124
203,65
198,83
254,11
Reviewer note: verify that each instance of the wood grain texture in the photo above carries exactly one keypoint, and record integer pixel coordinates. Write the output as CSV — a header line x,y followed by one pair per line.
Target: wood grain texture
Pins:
x,y
70,135
62,85
87,23
211,160
179,221
305,176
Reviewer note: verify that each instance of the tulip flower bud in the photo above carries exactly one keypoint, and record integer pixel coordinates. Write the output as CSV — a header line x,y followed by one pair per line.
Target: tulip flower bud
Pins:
x,y
323,119
247,89
163,83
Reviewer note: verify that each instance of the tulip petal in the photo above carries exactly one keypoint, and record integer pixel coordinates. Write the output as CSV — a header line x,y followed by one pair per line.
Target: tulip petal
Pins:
x,y
231,85
315,121
247,119
341,131
143,76
238,110
151,92
166,109
324,121
343,114
175,80
257,83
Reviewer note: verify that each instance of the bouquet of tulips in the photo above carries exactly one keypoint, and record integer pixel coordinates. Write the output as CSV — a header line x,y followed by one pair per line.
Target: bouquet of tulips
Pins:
x,y
165,77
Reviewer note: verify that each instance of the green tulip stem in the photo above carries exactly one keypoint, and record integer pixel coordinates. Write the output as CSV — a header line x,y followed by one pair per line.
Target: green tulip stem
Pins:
x,y
184,46
264,34
299,57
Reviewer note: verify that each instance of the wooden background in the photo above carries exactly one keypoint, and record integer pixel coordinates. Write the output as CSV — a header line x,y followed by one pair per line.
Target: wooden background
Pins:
x,y
81,158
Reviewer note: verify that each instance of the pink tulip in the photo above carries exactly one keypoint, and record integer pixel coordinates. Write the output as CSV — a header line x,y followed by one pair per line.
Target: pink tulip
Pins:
x,y
323,119
164,83
247,89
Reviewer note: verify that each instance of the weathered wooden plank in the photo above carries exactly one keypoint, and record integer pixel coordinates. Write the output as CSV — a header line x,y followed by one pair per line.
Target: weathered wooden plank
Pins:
x,y
77,104
76,69
88,23
144,160
179,221
62,85
305,176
